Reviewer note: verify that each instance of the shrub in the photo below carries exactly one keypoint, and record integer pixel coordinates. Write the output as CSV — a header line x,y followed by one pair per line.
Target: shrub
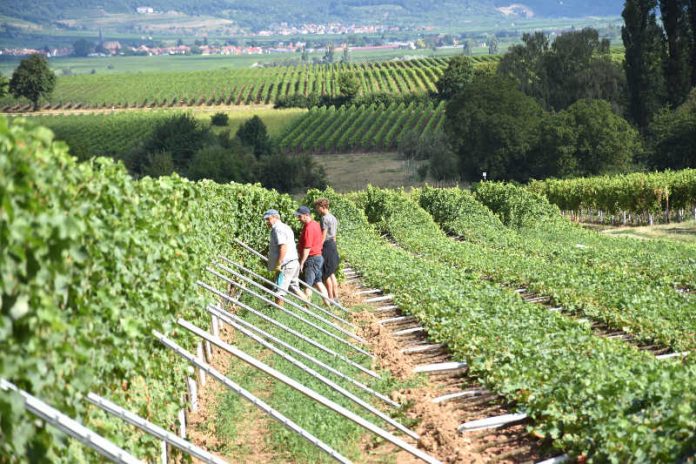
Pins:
x,y
219,119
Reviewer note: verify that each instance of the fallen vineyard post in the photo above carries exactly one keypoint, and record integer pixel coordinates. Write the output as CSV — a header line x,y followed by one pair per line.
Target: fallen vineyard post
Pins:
x,y
71,427
227,315
295,305
296,299
154,430
317,397
363,404
289,313
289,330
258,403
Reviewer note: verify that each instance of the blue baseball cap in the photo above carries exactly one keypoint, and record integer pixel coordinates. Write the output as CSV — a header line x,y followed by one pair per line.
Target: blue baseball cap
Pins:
x,y
302,210
271,212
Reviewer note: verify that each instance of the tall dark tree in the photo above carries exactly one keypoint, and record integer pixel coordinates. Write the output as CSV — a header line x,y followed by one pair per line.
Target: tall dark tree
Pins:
x,y
253,133
645,54
675,20
692,22
459,72
579,66
33,79
523,63
82,47
180,136
493,127
672,137
575,66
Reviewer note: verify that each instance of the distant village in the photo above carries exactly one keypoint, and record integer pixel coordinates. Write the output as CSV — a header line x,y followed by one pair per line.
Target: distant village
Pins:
x,y
114,48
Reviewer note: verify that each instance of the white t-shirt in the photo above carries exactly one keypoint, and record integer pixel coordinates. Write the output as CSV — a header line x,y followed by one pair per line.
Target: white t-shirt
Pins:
x,y
281,234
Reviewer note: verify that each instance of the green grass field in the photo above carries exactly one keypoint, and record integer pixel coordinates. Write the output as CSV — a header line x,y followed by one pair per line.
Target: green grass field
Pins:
x,y
354,171
680,232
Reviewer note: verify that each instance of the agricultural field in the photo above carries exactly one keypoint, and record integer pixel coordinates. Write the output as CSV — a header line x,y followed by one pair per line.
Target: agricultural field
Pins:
x,y
457,307
348,129
361,128
637,198
64,66
238,86
114,134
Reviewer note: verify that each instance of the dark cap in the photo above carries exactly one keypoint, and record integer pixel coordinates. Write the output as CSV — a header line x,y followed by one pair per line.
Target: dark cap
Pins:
x,y
302,210
271,212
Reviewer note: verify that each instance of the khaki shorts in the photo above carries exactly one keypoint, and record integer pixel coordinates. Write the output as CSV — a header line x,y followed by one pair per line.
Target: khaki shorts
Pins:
x,y
290,280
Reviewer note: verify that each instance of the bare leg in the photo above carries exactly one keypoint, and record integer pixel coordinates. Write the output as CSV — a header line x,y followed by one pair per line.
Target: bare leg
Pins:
x,y
329,287
334,284
320,286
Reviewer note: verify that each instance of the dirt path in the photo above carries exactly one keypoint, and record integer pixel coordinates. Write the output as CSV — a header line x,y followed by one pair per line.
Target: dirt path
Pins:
x,y
438,421
250,444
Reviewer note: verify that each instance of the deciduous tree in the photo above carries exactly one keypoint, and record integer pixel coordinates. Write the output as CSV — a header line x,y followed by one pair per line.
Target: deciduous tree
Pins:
x,y
459,72
33,79
492,127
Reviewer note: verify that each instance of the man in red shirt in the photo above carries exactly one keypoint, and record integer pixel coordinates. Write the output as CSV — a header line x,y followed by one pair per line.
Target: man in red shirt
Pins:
x,y
309,250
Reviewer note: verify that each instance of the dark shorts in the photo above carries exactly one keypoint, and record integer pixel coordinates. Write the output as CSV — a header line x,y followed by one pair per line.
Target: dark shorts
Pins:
x,y
312,270
330,254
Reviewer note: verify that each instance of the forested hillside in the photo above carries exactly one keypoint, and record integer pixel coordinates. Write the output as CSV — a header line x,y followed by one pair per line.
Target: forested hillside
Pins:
x,y
264,12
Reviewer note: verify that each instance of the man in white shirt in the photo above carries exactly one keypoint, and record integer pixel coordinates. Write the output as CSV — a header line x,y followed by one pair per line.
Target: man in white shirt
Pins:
x,y
282,256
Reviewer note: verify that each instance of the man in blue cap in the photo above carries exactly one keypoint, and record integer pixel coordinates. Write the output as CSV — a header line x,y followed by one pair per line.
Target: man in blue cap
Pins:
x,y
282,256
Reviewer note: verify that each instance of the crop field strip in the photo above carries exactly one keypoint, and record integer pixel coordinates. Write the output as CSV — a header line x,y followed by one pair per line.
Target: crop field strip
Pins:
x,y
494,434
666,318
622,199
235,87
360,128
115,134
580,390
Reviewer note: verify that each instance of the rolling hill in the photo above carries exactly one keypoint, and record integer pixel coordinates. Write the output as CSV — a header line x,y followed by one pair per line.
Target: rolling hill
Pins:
x,y
261,13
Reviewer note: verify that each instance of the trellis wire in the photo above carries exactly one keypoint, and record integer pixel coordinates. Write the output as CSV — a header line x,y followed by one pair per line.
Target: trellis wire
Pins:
x,y
269,282
258,403
287,329
300,365
242,356
224,315
292,303
71,427
289,313
304,284
154,430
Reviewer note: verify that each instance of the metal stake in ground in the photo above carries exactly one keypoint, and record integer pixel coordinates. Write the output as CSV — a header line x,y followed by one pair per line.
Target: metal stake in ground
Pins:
x,y
287,329
242,356
293,304
260,404
154,430
218,313
300,365
71,427
289,313
304,284
296,299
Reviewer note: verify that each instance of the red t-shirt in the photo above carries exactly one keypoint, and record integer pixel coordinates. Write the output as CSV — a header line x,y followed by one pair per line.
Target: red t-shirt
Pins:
x,y
312,238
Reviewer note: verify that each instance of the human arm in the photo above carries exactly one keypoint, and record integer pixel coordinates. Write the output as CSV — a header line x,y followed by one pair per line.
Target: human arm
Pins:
x,y
282,251
304,254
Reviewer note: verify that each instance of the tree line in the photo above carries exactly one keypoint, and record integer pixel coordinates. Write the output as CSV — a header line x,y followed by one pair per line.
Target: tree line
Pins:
x,y
565,108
